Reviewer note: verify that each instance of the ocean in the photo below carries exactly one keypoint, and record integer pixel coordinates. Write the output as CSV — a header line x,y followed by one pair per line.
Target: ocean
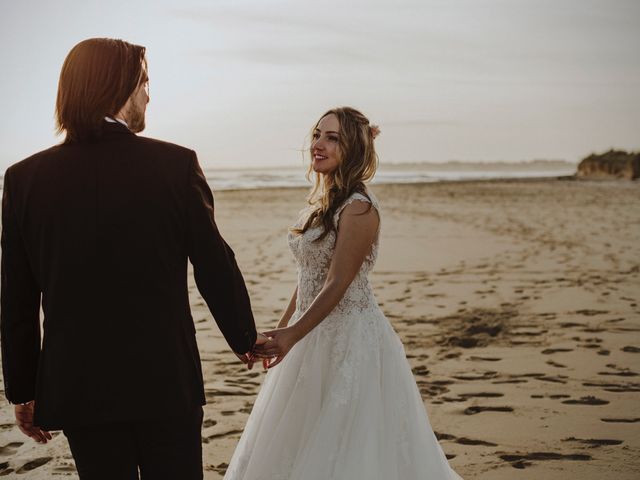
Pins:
x,y
241,179
259,178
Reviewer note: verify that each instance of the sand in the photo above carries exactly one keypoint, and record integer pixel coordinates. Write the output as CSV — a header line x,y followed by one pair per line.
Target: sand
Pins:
x,y
517,302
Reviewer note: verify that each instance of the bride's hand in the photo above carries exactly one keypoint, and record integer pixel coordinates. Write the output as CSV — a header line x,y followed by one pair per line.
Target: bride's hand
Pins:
x,y
281,340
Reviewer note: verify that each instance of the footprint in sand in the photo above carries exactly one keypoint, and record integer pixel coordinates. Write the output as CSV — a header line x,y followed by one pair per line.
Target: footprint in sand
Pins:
x,y
591,312
33,464
435,388
555,364
520,461
614,387
451,355
220,468
615,320
511,380
482,395
10,448
478,409
620,420
558,379
421,371
463,440
482,376
589,345
621,372
549,351
212,395
588,400
64,469
422,356
451,399
471,441
571,325
474,358
630,349
594,442
220,435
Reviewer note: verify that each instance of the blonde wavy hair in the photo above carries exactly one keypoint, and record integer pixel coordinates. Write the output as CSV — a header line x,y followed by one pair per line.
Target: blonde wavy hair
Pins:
x,y
358,164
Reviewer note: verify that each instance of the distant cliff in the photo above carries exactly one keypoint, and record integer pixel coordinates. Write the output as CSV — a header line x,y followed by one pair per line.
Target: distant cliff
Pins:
x,y
611,164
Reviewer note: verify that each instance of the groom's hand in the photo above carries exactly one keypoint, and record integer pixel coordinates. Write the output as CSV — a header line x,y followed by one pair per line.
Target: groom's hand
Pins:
x,y
261,339
24,419
244,358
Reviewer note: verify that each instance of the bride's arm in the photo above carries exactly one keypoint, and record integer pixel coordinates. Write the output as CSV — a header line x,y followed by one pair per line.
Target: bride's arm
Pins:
x,y
357,229
286,316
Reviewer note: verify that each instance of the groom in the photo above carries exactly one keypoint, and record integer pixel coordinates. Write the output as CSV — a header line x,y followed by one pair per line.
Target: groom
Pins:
x,y
98,230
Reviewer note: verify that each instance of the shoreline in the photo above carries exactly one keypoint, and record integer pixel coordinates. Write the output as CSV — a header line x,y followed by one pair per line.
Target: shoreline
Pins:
x,y
480,181
461,181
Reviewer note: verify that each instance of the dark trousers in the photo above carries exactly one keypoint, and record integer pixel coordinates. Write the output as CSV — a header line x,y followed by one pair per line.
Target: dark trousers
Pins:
x,y
163,449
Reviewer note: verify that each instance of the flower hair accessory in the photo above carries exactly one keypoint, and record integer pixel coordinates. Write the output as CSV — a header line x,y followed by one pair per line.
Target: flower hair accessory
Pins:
x,y
375,130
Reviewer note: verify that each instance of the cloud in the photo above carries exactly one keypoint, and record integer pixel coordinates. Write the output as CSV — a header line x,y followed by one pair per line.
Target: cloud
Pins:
x,y
418,122
291,56
291,19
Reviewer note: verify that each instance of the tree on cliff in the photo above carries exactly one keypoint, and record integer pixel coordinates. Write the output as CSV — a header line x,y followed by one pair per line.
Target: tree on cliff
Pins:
x,y
614,163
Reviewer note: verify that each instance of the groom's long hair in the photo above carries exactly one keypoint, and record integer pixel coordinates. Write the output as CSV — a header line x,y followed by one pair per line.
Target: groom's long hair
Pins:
x,y
97,78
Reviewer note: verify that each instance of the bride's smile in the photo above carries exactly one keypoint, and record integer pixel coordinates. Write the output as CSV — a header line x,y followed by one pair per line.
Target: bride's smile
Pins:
x,y
325,146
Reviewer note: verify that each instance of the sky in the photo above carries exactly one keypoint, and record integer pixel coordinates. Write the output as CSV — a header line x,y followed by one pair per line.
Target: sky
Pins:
x,y
243,81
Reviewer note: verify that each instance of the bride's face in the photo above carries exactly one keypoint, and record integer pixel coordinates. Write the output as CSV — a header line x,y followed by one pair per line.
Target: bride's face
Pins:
x,y
325,145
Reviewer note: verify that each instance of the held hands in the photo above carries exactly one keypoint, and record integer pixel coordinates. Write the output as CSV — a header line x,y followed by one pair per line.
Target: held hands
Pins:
x,y
271,347
24,419
281,341
249,358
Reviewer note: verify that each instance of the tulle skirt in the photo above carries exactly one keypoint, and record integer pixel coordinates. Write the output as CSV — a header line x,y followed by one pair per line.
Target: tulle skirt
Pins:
x,y
343,405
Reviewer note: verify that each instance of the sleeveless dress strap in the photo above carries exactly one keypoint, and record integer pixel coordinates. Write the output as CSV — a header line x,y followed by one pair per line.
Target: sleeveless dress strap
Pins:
x,y
357,197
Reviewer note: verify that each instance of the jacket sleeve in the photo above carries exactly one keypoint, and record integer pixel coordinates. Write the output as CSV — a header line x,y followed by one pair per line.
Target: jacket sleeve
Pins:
x,y
19,308
214,266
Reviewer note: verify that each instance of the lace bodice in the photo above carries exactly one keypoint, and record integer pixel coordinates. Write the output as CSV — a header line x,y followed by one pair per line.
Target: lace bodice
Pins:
x,y
314,258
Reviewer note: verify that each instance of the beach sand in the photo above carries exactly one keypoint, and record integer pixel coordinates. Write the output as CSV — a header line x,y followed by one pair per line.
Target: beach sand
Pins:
x,y
518,305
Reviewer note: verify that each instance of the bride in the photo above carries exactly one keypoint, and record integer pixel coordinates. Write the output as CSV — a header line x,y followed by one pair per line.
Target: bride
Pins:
x,y
343,404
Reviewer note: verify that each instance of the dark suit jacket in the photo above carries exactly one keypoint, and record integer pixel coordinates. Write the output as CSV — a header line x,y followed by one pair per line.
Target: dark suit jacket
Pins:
x,y
101,233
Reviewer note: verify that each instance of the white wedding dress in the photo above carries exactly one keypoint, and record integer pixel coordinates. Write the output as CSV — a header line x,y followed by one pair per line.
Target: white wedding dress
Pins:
x,y
343,404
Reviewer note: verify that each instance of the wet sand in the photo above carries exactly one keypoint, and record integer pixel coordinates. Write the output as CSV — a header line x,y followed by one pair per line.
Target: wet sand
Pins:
x,y
518,305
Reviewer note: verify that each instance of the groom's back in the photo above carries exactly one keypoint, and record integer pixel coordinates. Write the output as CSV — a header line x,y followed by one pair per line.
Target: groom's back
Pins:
x,y
113,207
104,229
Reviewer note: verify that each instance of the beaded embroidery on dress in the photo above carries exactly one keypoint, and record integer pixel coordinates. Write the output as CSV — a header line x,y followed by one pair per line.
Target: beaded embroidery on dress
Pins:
x,y
343,404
